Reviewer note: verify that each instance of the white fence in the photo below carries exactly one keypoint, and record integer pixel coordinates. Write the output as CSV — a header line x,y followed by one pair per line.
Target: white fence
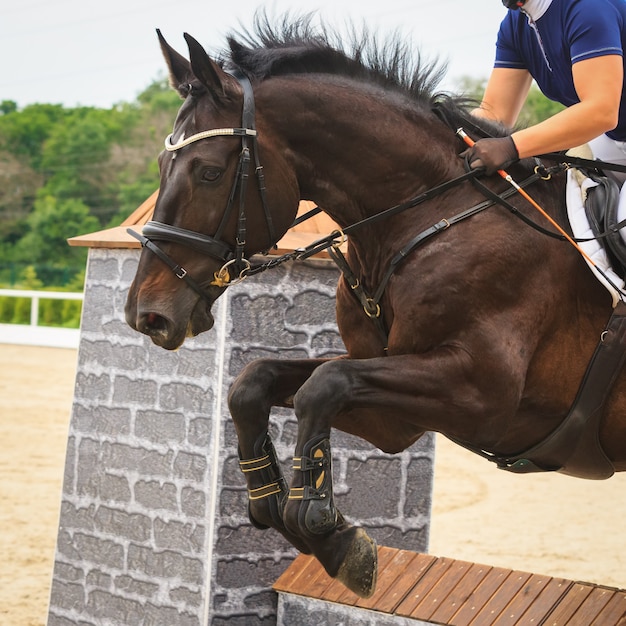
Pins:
x,y
33,334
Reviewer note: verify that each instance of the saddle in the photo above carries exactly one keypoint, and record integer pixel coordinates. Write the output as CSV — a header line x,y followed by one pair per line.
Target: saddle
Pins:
x,y
601,211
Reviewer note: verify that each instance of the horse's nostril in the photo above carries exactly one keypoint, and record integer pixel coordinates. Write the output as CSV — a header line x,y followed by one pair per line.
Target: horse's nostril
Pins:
x,y
154,321
150,323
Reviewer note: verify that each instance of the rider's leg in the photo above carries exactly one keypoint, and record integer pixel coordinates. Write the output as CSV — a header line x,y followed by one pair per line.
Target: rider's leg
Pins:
x,y
611,151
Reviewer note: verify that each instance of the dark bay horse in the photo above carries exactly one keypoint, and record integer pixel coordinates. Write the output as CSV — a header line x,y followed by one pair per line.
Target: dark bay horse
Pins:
x,y
483,332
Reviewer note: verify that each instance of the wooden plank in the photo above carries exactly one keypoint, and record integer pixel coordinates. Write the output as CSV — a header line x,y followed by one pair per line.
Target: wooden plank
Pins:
x,y
613,612
498,602
549,597
569,604
298,239
318,583
490,584
457,593
287,581
303,584
523,599
143,212
110,238
390,600
461,594
423,586
593,604
337,592
441,590
400,565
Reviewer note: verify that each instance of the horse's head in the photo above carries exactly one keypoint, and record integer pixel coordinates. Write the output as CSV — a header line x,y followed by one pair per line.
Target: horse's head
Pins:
x,y
209,218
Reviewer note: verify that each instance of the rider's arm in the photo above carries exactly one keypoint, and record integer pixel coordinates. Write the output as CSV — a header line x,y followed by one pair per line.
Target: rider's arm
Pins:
x,y
598,82
505,95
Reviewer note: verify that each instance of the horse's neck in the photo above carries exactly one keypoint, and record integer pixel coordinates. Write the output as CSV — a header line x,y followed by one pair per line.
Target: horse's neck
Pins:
x,y
356,150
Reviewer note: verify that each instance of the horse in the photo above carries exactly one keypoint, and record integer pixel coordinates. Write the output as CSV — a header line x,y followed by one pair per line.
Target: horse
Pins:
x,y
457,317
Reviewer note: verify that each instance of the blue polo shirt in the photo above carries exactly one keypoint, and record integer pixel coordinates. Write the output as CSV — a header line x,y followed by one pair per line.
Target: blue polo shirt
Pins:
x,y
569,31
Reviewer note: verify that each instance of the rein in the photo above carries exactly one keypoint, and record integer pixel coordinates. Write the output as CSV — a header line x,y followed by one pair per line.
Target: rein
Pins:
x,y
235,267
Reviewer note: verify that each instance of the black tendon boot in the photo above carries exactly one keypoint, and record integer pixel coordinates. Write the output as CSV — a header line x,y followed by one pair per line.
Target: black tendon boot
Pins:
x,y
265,482
317,514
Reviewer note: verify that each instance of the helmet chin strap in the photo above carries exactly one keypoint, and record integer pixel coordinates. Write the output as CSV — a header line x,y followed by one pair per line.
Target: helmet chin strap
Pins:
x,y
513,4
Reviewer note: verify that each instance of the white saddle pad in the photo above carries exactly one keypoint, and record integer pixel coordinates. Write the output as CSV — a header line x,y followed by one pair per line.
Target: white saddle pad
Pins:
x,y
577,186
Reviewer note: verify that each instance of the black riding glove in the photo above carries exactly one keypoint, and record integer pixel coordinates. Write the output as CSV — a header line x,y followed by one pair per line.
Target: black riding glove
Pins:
x,y
492,154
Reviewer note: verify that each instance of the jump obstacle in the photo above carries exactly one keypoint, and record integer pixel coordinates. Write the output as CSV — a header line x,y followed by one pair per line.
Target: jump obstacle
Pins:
x,y
153,526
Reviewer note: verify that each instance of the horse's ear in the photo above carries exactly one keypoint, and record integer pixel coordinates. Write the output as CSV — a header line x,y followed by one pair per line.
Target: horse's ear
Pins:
x,y
179,67
207,71
236,49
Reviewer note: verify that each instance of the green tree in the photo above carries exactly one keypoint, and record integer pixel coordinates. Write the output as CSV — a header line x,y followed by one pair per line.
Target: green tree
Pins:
x,y
29,279
8,106
50,225
159,96
132,194
24,133
66,171
536,108
19,183
75,159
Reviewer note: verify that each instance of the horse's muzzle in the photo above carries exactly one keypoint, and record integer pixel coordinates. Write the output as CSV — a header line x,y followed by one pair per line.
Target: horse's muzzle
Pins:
x,y
166,333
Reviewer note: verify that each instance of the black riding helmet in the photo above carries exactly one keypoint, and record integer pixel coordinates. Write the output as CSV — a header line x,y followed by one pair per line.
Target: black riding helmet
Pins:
x,y
513,4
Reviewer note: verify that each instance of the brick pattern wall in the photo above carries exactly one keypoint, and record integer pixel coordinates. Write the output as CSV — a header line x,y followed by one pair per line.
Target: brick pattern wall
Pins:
x,y
153,526
294,610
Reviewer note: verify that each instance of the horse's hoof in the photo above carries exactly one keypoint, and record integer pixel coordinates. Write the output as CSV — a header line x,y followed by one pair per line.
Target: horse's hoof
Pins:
x,y
359,569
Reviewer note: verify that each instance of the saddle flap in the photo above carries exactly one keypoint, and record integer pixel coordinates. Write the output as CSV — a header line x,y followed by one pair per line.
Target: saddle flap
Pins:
x,y
601,206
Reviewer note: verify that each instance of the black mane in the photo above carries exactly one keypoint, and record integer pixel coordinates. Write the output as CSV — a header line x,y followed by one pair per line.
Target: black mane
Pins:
x,y
298,46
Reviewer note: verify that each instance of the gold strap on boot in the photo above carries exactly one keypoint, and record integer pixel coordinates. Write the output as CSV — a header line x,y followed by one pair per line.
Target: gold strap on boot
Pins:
x,y
253,465
264,492
256,465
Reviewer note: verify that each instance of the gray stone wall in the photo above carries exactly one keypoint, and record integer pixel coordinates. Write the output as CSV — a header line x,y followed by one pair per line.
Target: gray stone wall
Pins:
x,y
153,526
297,611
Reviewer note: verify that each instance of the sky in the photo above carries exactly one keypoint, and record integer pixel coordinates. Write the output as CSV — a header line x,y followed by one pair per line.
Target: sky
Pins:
x,y
86,53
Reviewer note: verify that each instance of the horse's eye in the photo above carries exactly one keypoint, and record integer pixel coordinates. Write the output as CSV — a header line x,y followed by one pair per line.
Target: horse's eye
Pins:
x,y
211,175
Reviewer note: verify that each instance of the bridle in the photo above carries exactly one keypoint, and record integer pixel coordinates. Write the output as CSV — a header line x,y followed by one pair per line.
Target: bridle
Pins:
x,y
234,264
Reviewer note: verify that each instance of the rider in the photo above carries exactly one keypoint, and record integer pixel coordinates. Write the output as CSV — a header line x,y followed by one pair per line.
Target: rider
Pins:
x,y
574,50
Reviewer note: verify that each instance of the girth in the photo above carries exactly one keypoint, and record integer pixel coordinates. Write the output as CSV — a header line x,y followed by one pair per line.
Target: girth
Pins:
x,y
574,447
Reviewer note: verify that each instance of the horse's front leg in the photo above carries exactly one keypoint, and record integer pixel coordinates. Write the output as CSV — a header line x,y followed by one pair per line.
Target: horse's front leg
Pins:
x,y
260,386
345,551
389,401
